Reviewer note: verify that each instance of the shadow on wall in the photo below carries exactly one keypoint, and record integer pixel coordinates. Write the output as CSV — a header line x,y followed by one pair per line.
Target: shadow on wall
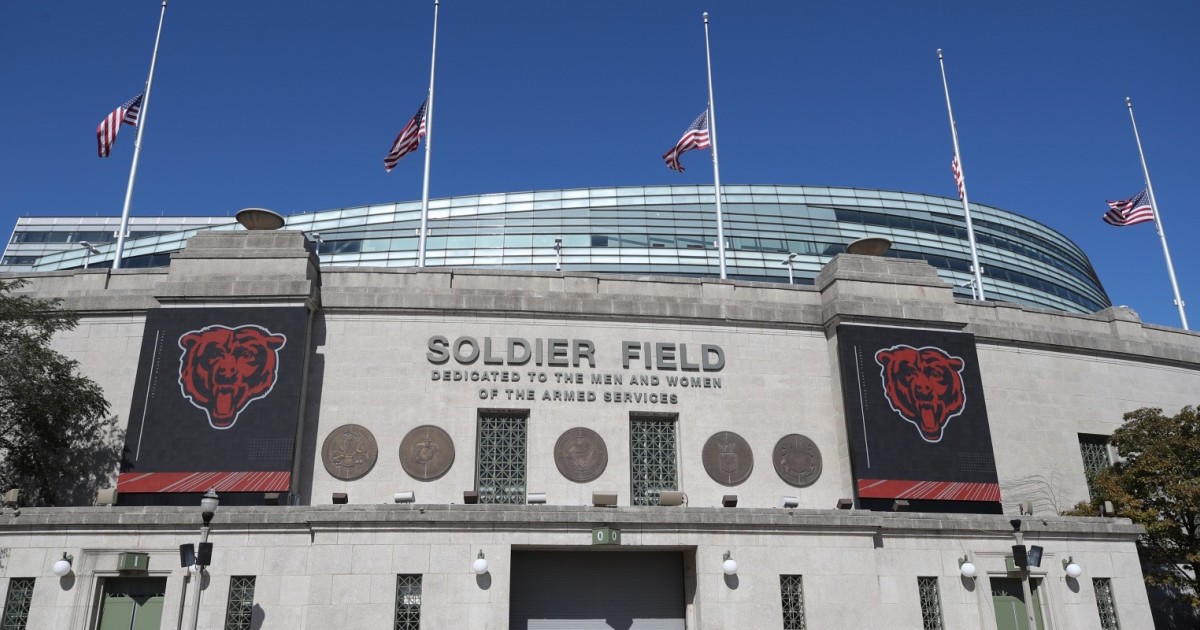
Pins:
x,y
1171,613
312,409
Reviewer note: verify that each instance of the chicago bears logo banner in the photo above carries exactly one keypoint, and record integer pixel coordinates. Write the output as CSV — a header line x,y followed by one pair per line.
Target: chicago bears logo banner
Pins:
x,y
915,415
216,401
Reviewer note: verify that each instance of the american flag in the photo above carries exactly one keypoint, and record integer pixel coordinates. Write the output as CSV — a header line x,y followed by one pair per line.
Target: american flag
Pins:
x,y
696,137
1129,212
106,132
408,139
958,177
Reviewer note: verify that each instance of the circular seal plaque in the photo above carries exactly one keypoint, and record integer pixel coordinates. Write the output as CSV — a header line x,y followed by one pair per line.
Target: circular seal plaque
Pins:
x,y
349,452
580,454
426,453
727,458
797,460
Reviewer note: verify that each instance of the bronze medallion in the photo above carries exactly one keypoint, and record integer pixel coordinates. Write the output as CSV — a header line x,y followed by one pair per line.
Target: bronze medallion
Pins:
x,y
349,452
727,458
797,460
426,453
580,454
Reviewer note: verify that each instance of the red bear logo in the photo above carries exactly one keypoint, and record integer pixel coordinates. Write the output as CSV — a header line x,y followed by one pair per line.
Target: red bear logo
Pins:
x,y
924,386
224,369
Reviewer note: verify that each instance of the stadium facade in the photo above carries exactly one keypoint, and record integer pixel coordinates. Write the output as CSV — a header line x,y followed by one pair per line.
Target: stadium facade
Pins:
x,y
454,447
659,230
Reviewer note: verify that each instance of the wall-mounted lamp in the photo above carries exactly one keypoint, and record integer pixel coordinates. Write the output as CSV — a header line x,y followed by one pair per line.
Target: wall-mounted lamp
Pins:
x,y
604,499
967,568
480,566
900,505
106,497
408,496
729,565
470,497
1073,570
536,498
729,500
845,504
789,502
62,567
340,498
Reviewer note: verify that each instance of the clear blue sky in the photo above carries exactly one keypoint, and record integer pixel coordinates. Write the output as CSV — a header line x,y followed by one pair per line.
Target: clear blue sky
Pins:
x,y
292,106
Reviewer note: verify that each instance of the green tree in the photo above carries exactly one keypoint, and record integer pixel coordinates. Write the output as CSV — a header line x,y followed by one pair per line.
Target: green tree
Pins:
x,y
56,443
1156,483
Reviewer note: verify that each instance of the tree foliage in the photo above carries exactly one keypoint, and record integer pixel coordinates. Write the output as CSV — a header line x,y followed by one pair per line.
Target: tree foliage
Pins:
x,y
56,443
1156,483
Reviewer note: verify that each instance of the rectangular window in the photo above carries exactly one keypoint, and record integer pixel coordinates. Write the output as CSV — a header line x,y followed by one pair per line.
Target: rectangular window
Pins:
x,y
1094,450
16,605
1105,604
408,602
791,595
500,457
931,603
652,460
239,613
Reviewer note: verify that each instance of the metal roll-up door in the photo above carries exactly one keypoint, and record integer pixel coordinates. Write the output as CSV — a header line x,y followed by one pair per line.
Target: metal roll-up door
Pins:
x,y
601,590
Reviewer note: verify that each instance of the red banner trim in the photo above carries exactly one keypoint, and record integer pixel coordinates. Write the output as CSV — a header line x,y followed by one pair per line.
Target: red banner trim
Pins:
x,y
259,481
929,490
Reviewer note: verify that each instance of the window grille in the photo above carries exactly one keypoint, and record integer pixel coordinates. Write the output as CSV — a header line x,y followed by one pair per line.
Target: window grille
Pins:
x,y
931,603
239,614
1094,450
1105,604
651,458
791,594
16,605
408,602
501,458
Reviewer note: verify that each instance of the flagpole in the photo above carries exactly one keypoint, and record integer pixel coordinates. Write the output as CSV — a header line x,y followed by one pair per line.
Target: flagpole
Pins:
x,y
977,289
1162,235
428,146
137,146
712,131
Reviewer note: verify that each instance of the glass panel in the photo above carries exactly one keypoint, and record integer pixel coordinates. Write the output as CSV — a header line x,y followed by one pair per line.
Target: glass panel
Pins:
x,y
408,602
1094,450
652,458
791,595
16,605
501,458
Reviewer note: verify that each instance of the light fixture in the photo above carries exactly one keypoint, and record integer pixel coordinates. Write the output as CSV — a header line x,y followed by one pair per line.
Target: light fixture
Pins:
x,y
900,505
1035,555
789,502
845,504
62,567
604,499
671,498
480,566
729,565
536,498
1072,568
1107,509
558,254
967,568
91,249
12,498
470,497
787,262
408,496
729,500
106,496
1026,508
340,498
270,498
209,502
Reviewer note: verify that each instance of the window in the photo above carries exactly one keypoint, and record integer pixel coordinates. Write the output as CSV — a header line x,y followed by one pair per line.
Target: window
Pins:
x,y
408,602
16,605
1104,603
240,611
501,457
931,603
791,595
1094,450
652,459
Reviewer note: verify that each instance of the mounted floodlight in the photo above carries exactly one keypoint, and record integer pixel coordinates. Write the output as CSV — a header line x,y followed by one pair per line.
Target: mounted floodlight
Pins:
x,y
604,499
789,502
259,219
870,246
671,498
408,496
536,498
729,500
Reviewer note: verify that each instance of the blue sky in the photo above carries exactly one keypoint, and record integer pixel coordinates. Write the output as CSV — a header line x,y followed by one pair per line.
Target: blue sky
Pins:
x,y
292,106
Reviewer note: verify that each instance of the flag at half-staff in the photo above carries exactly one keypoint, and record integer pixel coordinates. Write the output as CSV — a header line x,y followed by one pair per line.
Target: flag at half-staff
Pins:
x,y
1131,211
127,114
408,139
696,137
